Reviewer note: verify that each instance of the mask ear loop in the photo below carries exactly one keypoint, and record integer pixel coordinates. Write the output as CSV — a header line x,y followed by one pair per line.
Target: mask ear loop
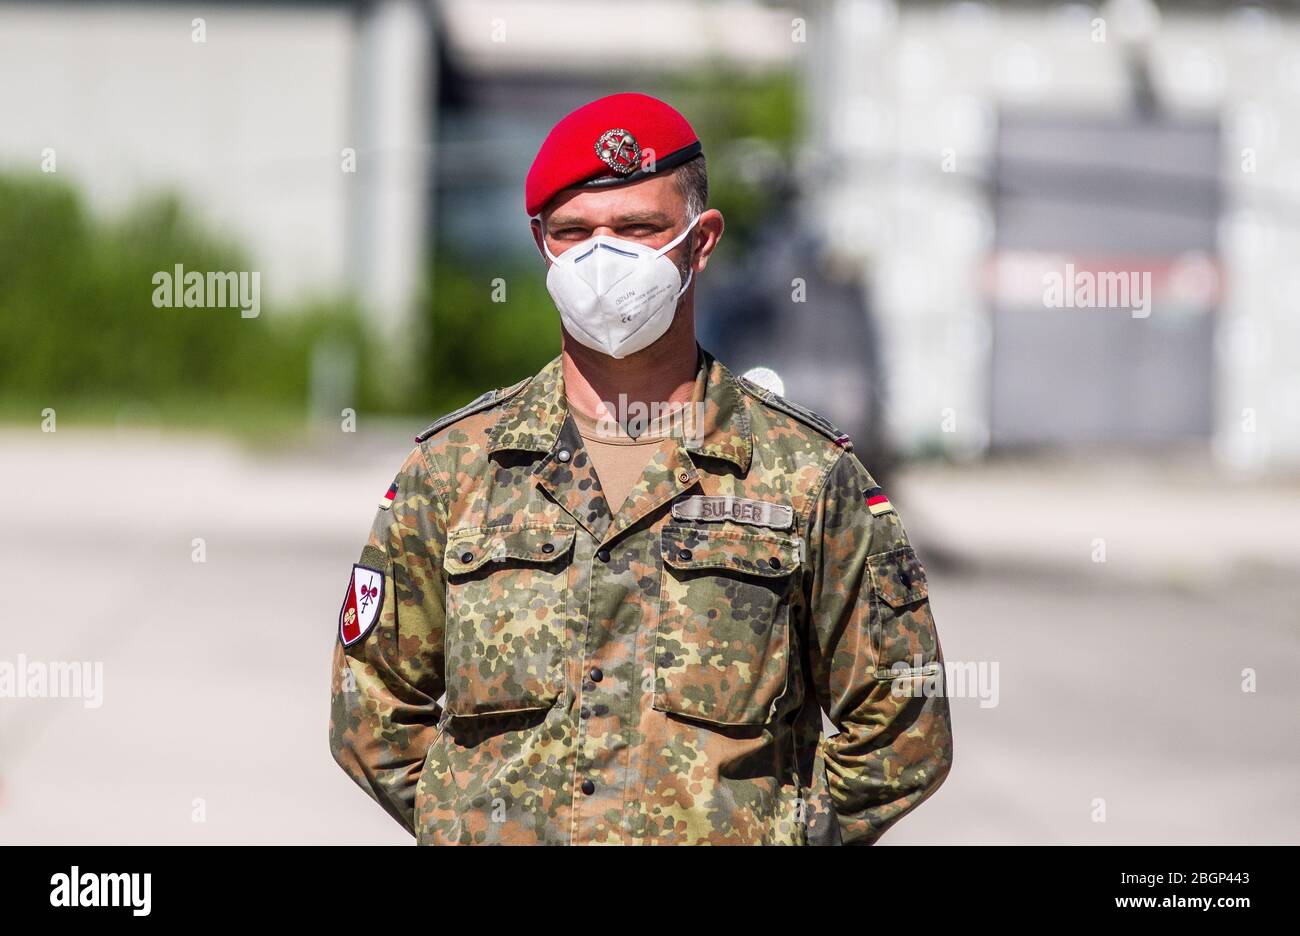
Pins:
x,y
685,286
678,239
673,243
553,258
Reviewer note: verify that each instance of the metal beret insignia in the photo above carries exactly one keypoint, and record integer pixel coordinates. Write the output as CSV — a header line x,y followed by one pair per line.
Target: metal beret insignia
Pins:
x,y
619,150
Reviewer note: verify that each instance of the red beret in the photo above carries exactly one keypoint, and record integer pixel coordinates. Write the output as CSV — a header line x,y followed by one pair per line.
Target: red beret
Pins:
x,y
611,141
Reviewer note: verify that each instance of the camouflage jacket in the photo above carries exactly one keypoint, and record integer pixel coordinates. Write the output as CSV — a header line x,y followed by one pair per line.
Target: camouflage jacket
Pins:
x,y
642,677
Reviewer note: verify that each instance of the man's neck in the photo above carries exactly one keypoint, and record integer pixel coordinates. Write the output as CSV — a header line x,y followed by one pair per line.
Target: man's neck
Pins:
x,y
663,373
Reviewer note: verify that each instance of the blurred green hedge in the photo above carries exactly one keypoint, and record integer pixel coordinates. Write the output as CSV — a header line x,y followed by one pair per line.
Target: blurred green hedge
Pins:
x,y
490,326
78,327
79,331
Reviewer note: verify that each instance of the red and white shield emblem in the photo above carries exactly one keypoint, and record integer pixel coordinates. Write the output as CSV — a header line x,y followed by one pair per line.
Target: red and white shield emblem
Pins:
x,y
361,604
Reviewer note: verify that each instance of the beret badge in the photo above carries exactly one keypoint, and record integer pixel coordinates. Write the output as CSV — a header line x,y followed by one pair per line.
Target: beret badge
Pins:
x,y
619,150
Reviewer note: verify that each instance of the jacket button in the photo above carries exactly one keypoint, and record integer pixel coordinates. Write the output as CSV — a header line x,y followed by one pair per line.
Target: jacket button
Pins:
x,y
603,555
684,555
588,787
548,547
563,455
467,557
584,712
596,674
774,562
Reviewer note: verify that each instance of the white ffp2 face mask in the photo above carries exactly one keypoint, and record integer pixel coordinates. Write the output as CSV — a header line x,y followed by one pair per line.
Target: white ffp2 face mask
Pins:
x,y
616,296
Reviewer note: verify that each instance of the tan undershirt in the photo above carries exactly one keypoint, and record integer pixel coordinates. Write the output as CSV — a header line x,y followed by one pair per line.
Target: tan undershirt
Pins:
x,y
618,459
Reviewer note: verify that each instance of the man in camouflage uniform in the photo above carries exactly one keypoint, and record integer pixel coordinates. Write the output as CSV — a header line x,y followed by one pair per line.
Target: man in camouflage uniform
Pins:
x,y
521,662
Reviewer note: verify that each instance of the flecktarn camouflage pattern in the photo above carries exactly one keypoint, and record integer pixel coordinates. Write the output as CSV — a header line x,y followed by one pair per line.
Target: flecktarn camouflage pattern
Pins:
x,y
638,677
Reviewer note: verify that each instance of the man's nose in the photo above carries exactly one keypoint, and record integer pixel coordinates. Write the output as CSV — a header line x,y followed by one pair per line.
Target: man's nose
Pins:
x,y
559,247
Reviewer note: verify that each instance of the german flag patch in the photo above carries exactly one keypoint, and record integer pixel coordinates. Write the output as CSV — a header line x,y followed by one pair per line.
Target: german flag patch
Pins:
x,y
387,500
877,502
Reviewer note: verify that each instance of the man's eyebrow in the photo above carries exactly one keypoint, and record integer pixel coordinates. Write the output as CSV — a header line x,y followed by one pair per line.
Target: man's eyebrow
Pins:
x,y
636,217
645,217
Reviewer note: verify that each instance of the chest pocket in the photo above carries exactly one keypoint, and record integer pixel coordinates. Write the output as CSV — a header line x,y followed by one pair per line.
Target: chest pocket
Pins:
x,y
722,650
507,617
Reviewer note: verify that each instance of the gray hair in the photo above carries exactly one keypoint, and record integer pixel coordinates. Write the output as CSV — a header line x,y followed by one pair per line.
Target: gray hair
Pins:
x,y
693,180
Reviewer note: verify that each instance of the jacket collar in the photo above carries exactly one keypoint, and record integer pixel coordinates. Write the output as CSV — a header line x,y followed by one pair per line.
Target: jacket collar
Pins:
x,y
533,418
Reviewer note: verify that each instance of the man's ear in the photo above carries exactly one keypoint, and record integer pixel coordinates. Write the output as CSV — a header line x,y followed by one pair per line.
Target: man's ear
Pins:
x,y
536,225
708,232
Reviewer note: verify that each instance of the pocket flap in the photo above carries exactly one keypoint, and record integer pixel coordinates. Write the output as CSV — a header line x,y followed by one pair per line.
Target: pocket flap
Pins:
x,y
470,549
751,553
899,577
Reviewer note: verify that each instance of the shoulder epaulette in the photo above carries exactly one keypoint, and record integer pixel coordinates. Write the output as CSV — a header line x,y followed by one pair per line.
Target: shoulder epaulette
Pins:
x,y
476,405
800,413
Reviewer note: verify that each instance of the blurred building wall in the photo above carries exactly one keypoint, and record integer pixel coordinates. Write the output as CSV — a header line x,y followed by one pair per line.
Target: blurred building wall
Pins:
x,y
907,102
613,42
1131,196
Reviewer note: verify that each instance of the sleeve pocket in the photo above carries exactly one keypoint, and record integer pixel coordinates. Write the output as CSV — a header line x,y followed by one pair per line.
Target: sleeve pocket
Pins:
x,y
903,635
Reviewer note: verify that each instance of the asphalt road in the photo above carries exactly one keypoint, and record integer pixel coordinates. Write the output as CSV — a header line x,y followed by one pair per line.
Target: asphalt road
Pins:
x,y
1119,716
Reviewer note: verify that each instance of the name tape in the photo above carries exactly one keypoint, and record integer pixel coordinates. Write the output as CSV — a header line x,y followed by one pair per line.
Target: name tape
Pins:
x,y
737,509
